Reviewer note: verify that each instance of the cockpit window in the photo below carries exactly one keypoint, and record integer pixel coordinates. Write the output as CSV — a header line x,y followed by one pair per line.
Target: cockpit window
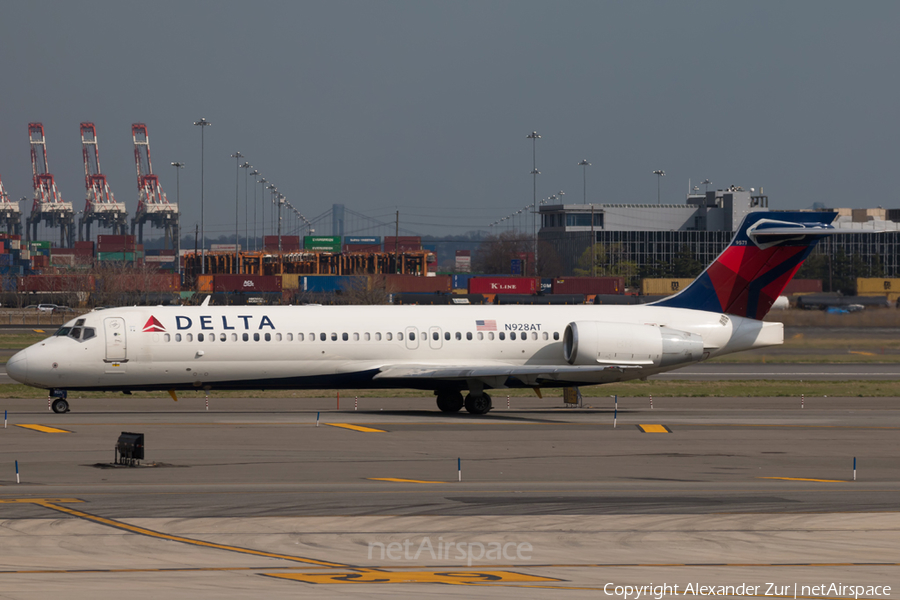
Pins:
x,y
88,334
63,331
79,323
75,334
78,332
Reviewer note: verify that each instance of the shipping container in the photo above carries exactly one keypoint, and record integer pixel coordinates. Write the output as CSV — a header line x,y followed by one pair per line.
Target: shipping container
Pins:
x,y
403,243
663,287
803,286
205,283
460,281
873,284
369,248
589,285
332,283
327,243
372,240
503,285
412,283
290,281
289,243
246,283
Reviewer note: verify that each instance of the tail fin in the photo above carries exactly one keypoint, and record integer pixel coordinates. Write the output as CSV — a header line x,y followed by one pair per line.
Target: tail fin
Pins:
x,y
750,274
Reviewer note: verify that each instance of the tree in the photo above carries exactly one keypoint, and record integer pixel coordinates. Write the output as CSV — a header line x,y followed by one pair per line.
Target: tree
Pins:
x,y
686,264
495,253
608,262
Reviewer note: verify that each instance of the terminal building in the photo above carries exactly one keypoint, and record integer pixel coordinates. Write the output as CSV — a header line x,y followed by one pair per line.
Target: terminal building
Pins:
x,y
651,236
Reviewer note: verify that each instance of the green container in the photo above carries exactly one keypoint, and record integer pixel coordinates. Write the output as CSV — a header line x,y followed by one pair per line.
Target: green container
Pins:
x,y
327,243
116,256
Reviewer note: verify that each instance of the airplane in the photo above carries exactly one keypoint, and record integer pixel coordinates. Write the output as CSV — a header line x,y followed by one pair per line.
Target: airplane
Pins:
x,y
447,350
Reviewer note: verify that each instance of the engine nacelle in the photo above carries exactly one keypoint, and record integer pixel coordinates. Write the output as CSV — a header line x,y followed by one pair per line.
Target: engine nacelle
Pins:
x,y
595,342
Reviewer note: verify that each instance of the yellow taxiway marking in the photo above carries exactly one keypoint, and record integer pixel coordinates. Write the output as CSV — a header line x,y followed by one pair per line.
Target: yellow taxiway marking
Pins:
x,y
357,427
654,428
39,331
54,504
442,576
44,428
395,480
802,479
860,352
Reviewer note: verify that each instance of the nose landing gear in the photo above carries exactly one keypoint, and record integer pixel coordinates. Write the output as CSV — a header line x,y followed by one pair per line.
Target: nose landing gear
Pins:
x,y
58,402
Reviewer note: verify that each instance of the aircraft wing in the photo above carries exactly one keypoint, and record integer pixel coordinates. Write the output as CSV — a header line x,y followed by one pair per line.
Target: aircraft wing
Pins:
x,y
481,371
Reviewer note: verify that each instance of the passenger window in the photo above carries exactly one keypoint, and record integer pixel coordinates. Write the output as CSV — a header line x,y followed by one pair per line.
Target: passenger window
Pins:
x,y
367,336
199,337
290,337
388,336
491,335
555,335
245,337
268,337
435,335
212,337
458,335
546,337
234,337
167,337
480,335
412,336
278,337
377,336
502,336
512,335
333,337
189,337
355,337
469,335
300,337
255,337
323,337
533,335
345,337
223,337
178,337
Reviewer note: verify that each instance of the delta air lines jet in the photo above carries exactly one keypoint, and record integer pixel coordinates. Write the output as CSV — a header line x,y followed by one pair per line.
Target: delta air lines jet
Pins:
x,y
450,350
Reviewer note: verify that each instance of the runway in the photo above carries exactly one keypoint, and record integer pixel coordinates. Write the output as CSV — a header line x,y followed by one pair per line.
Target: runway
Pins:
x,y
792,371
252,498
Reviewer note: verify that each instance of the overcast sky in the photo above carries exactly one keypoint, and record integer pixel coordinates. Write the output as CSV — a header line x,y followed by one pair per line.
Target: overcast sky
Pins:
x,y
424,107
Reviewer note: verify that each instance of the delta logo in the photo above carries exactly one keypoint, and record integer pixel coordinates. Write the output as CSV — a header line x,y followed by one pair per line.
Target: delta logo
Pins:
x,y
153,324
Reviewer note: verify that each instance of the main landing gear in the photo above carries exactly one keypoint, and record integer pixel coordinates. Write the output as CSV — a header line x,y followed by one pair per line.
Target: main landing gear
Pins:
x,y
452,401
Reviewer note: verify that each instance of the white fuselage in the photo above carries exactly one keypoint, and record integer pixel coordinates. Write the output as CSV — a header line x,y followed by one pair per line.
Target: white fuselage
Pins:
x,y
335,347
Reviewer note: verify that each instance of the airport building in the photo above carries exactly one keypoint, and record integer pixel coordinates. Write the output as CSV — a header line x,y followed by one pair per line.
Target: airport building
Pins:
x,y
652,235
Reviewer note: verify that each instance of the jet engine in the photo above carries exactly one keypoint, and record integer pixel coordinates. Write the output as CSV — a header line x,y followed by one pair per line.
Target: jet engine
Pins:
x,y
595,342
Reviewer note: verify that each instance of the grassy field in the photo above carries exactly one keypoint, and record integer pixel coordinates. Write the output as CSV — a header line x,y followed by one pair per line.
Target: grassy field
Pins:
x,y
642,389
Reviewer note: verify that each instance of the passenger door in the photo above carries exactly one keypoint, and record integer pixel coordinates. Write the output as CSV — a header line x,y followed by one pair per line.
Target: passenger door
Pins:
x,y
434,338
412,338
114,328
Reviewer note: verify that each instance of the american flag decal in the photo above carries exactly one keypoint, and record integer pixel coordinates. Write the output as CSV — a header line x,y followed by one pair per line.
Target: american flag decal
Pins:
x,y
485,325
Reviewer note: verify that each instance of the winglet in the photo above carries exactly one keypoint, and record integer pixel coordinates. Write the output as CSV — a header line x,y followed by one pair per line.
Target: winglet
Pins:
x,y
174,397
206,301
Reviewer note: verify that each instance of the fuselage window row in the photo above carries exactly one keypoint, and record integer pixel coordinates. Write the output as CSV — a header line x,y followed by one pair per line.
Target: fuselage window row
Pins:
x,y
87,333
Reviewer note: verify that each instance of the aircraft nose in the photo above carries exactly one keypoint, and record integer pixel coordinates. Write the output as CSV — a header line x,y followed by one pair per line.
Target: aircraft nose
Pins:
x,y
17,366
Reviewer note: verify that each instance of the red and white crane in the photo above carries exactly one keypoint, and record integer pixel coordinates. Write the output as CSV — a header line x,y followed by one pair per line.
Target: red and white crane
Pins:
x,y
48,206
10,213
100,205
153,206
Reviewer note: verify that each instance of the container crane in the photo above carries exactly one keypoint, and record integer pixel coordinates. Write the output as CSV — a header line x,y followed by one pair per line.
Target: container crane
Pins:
x,y
153,206
100,205
48,206
10,213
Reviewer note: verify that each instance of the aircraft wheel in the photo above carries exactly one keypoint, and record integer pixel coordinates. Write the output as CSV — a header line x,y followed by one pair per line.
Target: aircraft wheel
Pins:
x,y
450,402
60,406
478,405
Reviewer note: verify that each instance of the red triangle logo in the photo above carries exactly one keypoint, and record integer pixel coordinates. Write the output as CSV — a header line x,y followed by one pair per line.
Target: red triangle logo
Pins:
x,y
153,324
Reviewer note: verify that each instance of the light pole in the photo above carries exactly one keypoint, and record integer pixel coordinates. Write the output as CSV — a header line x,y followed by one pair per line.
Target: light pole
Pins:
x,y
271,187
178,167
255,181
584,164
706,182
246,166
659,174
534,137
262,217
280,204
203,124
237,156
